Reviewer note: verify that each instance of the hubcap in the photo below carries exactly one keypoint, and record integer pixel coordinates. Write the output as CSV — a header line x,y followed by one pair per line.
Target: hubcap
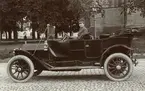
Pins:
x,y
118,67
19,69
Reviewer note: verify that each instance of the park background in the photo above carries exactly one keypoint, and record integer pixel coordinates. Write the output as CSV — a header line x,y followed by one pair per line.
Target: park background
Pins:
x,y
29,18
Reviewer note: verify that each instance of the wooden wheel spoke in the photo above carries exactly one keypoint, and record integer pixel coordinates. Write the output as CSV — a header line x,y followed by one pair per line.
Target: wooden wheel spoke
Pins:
x,y
113,70
118,59
25,65
18,74
19,63
16,62
14,65
122,73
25,72
15,72
115,73
122,70
13,68
123,66
118,72
111,67
124,63
22,75
126,70
111,64
114,62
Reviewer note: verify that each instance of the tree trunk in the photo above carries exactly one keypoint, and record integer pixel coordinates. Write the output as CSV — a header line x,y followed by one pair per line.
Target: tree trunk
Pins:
x,y
70,33
15,35
33,34
55,34
0,35
38,35
125,15
22,25
9,33
6,35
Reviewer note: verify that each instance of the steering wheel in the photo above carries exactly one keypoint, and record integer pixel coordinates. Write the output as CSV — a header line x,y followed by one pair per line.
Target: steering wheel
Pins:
x,y
65,38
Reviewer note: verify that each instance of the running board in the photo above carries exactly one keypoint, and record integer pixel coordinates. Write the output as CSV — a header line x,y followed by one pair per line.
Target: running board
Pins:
x,y
75,67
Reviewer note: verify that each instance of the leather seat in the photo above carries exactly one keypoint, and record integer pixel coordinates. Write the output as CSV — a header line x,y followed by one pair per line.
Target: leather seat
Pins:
x,y
87,36
102,36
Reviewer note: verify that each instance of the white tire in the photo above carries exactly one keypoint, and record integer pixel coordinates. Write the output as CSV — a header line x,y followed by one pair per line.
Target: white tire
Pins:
x,y
20,65
118,67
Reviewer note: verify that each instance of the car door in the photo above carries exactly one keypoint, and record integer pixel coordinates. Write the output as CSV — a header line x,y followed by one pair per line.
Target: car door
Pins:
x,y
92,48
77,50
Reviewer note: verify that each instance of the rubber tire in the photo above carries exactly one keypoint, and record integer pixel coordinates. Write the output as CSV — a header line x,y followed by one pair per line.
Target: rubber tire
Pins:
x,y
29,63
124,57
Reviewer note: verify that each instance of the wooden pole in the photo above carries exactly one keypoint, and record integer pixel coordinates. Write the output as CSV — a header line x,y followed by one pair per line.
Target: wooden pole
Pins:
x,y
125,14
48,29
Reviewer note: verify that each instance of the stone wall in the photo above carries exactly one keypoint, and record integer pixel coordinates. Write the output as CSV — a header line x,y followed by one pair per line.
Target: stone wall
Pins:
x,y
135,20
114,20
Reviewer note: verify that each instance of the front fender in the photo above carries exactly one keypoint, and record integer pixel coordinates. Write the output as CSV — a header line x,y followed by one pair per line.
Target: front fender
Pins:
x,y
115,49
36,61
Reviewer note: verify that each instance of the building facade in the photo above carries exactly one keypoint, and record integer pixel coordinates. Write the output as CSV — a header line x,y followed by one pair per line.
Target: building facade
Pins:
x,y
114,20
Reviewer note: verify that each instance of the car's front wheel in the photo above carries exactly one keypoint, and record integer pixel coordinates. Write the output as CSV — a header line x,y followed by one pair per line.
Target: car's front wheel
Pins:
x,y
118,67
20,68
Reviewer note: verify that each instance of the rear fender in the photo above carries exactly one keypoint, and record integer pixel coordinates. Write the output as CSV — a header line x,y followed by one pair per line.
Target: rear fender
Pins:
x,y
115,49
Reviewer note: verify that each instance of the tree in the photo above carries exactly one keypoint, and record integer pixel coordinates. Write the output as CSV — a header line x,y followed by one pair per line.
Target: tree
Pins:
x,y
11,11
60,13
136,5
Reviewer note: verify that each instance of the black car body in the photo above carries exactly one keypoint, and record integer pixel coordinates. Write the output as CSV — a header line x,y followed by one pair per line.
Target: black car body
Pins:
x,y
113,53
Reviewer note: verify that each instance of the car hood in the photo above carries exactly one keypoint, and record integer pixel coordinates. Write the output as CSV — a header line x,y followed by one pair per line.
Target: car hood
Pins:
x,y
32,46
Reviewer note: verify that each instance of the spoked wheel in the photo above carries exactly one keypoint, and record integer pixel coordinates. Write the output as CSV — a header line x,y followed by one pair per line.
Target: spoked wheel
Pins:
x,y
37,72
20,68
118,67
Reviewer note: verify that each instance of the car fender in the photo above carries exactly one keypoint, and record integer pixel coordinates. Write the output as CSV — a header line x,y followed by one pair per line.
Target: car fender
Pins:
x,y
111,48
33,58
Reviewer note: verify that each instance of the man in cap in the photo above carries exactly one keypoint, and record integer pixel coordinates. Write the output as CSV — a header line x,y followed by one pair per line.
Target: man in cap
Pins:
x,y
83,30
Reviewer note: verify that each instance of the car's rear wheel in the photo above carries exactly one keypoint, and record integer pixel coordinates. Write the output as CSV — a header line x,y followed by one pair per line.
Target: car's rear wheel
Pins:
x,y
20,68
118,67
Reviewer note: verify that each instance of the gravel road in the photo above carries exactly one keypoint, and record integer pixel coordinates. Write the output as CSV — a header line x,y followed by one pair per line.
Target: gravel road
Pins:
x,y
84,80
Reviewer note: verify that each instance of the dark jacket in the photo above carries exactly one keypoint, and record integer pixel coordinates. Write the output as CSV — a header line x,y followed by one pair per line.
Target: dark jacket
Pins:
x,y
82,31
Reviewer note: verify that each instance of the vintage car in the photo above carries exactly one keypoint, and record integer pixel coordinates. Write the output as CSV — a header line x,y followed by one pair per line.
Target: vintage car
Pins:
x,y
111,53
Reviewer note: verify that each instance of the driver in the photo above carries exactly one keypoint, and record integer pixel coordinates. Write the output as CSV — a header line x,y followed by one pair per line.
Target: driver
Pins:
x,y
83,30
81,33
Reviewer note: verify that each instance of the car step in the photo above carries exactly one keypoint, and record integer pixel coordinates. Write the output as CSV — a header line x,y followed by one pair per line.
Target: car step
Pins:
x,y
76,67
